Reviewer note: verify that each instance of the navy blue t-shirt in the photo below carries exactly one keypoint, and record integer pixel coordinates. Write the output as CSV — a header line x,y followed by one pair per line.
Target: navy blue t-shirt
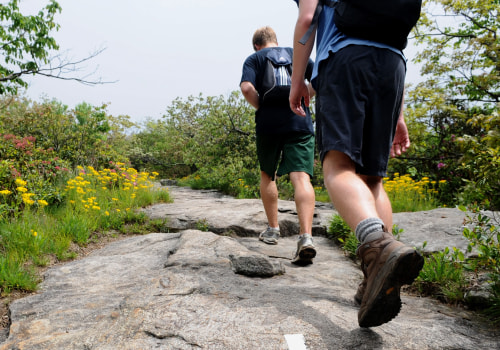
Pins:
x,y
275,119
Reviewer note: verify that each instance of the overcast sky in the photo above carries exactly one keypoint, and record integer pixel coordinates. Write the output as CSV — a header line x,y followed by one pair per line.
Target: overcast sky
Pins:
x,y
158,50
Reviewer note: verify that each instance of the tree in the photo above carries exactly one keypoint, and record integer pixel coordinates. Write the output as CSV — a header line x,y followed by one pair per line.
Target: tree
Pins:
x,y
454,112
213,136
25,46
463,48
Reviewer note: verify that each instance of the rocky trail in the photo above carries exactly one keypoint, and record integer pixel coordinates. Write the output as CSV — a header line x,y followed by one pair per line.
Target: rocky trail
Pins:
x,y
223,289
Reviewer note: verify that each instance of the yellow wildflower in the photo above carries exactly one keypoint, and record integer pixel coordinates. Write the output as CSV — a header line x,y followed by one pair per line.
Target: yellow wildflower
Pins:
x,y
28,201
42,202
20,182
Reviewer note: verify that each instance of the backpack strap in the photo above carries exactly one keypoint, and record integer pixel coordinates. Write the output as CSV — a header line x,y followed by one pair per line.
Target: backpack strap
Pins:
x,y
314,22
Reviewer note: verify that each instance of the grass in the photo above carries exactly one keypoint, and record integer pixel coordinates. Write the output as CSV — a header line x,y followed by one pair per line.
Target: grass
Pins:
x,y
443,276
94,201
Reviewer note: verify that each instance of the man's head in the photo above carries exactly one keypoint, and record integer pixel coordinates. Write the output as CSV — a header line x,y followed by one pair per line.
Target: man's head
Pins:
x,y
264,37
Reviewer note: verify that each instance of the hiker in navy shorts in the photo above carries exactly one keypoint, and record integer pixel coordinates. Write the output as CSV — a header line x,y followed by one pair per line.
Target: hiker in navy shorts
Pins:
x,y
359,86
285,141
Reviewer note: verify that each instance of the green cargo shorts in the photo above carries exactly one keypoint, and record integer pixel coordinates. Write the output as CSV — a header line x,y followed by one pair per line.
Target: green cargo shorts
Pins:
x,y
283,154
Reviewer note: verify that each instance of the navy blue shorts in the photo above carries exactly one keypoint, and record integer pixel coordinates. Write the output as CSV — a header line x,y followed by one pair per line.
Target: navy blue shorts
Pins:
x,y
358,101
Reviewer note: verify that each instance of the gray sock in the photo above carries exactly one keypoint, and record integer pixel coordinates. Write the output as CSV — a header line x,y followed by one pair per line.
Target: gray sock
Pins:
x,y
369,230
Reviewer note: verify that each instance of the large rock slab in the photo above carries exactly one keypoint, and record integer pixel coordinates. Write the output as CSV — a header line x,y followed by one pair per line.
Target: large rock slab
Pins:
x,y
180,290
225,214
439,228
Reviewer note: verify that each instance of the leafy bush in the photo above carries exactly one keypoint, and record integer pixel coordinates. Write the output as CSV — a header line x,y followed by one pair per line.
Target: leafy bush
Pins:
x,y
29,175
448,276
483,233
83,136
443,276
340,231
481,162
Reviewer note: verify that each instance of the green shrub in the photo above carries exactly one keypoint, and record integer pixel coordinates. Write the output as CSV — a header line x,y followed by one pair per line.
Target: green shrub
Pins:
x,y
443,276
339,231
85,135
29,175
483,234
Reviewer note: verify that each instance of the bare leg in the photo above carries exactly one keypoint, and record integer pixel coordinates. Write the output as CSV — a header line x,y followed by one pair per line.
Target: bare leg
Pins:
x,y
269,195
304,200
350,195
382,202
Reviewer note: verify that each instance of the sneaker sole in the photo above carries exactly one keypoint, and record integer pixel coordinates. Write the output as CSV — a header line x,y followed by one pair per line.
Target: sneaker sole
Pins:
x,y
384,302
306,255
268,241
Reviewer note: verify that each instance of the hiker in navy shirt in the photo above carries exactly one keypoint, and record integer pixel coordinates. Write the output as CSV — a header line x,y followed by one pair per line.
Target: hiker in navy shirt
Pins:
x,y
359,88
285,141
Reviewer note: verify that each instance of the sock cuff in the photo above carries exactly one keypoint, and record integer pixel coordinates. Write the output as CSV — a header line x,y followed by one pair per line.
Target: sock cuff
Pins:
x,y
368,226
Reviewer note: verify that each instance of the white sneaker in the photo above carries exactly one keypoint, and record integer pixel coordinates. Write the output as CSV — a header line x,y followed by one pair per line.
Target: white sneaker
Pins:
x,y
305,250
270,235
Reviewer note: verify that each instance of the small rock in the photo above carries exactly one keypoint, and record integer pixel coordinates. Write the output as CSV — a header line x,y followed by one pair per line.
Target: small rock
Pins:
x,y
256,266
168,182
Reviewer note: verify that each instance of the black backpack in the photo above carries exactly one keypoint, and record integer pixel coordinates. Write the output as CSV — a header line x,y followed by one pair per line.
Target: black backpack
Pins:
x,y
276,81
385,21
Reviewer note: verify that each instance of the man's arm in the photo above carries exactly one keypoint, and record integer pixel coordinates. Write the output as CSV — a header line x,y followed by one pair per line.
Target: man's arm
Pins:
x,y
301,54
401,140
250,93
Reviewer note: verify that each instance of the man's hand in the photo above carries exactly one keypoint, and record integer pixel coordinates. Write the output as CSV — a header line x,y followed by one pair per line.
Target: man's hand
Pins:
x,y
297,92
401,140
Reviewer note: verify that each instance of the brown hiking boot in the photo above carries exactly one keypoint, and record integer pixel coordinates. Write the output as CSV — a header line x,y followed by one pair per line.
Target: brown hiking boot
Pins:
x,y
358,297
387,265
